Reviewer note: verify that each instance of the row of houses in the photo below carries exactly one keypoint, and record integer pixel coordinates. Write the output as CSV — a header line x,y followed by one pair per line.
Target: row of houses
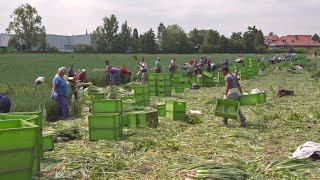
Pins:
x,y
62,43
291,41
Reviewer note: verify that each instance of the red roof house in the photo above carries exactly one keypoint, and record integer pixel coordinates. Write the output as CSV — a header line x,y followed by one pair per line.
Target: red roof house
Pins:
x,y
270,39
294,41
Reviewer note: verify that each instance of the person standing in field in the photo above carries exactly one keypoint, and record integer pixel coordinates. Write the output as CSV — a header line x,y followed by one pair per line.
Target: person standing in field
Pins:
x,y
72,83
108,72
143,70
172,66
231,92
5,103
158,65
209,64
60,93
195,67
190,68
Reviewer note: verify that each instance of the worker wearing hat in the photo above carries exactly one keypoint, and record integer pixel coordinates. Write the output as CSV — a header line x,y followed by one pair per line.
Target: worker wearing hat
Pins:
x,y
232,91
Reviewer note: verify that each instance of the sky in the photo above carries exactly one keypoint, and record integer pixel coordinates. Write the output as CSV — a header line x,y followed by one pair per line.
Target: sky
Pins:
x,y
75,16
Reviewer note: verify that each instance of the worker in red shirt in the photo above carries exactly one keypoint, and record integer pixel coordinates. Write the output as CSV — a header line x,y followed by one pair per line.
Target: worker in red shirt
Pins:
x,y
125,75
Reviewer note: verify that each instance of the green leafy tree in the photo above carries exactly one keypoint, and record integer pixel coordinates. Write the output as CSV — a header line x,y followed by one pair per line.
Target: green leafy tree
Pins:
x,y
253,40
316,38
236,42
224,44
197,38
161,35
29,33
176,40
211,42
104,37
147,42
124,40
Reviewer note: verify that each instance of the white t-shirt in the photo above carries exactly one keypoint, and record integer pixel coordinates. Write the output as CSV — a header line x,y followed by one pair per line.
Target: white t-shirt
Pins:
x,y
143,65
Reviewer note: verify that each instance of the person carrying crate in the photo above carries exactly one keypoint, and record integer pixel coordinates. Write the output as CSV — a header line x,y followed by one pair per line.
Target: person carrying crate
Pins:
x,y
231,92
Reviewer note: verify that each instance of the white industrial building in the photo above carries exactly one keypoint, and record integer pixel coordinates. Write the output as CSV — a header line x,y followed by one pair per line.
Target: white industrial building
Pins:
x,y
61,42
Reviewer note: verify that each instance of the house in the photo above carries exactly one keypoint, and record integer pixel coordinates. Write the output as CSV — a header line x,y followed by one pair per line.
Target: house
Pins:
x,y
61,42
291,41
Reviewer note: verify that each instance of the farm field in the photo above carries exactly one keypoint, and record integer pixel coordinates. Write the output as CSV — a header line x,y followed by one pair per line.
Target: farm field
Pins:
x,y
274,131
25,68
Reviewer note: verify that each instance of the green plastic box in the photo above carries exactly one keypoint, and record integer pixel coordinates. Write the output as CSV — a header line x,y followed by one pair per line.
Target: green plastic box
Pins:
x,y
181,116
104,134
207,74
176,106
164,88
138,90
19,141
177,75
141,119
251,99
262,98
178,89
152,93
98,96
152,83
132,120
163,76
161,110
106,106
152,77
47,141
104,121
227,109
140,97
163,83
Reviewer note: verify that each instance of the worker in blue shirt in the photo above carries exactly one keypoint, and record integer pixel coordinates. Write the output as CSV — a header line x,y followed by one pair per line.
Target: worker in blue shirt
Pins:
x,y
5,103
60,93
158,65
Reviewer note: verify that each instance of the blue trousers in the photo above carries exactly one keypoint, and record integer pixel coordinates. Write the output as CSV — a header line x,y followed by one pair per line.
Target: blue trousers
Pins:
x,y
63,108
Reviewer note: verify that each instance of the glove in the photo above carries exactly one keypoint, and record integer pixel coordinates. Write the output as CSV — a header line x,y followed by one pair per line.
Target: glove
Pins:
x,y
224,97
55,95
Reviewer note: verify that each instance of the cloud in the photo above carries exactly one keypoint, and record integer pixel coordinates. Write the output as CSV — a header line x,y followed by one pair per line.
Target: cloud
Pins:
x,y
75,16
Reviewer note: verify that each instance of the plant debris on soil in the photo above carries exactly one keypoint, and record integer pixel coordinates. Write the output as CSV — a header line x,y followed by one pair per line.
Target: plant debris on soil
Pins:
x,y
274,131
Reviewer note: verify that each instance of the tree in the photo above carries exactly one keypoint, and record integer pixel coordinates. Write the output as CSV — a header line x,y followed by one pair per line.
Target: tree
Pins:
x,y
197,37
211,42
224,45
253,40
176,40
161,34
236,42
104,37
27,27
316,38
147,42
124,41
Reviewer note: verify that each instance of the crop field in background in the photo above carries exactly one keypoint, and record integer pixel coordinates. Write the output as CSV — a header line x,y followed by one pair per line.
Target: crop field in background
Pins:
x,y
25,68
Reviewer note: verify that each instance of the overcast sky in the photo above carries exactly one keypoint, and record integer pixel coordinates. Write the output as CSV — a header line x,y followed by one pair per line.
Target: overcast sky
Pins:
x,y
75,16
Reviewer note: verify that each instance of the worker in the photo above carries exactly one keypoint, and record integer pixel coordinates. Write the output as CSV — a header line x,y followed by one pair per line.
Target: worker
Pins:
x,y
5,103
108,72
209,64
231,92
71,71
190,68
125,76
143,70
82,76
172,66
158,65
195,67
60,92
39,81
115,76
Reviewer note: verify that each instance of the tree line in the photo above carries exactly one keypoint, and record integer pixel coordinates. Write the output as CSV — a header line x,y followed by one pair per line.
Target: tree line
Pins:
x,y
29,34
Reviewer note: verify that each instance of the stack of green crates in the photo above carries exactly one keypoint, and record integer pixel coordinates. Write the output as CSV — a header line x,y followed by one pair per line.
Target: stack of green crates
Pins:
x,y
176,110
159,84
243,74
141,95
36,119
182,82
105,123
220,79
141,119
19,141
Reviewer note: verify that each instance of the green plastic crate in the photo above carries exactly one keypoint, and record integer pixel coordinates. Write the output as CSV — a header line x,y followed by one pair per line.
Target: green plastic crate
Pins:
x,y
262,98
251,99
177,75
140,97
164,88
152,77
163,83
227,109
18,145
163,76
141,119
178,89
36,119
138,90
176,106
152,83
161,110
106,106
104,121
177,116
153,93
47,141
152,89
104,134
207,74
132,120
98,96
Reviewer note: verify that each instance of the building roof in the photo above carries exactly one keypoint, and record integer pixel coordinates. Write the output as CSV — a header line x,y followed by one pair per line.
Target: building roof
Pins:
x,y
297,40
271,39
